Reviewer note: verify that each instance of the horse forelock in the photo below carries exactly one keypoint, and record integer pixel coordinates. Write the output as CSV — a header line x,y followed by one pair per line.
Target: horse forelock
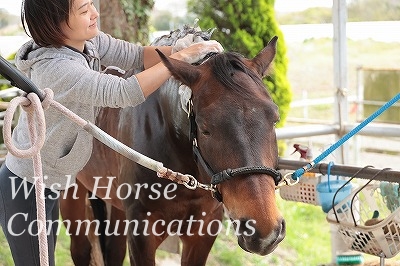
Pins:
x,y
225,65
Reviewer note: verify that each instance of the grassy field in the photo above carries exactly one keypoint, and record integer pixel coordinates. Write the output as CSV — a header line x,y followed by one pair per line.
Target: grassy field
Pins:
x,y
311,64
308,238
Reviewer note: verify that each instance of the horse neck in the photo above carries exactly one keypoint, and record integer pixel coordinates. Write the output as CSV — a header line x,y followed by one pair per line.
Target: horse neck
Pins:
x,y
172,111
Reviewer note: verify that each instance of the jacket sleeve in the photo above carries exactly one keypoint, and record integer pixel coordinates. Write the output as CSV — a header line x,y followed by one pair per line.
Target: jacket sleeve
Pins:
x,y
72,81
120,53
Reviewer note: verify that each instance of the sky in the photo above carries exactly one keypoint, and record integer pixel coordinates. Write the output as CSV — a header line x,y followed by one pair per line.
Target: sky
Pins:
x,y
14,6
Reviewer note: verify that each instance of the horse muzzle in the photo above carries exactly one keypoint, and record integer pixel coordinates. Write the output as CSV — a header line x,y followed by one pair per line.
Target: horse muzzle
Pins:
x,y
257,244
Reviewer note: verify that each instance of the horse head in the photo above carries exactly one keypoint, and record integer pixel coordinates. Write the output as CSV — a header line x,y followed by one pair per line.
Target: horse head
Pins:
x,y
233,119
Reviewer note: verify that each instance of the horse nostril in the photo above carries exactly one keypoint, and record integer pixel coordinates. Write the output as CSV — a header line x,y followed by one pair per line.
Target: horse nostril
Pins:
x,y
283,228
244,227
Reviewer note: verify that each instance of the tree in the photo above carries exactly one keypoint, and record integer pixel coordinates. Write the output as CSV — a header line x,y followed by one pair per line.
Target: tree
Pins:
x,y
165,20
246,26
7,19
3,18
126,19
357,10
373,10
161,20
314,15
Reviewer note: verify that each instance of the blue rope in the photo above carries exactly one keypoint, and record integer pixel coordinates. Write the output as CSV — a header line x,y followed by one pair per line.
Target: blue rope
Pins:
x,y
299,172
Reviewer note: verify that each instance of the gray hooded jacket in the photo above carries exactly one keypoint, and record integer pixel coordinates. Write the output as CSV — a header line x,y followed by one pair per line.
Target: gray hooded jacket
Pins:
x,y
79,85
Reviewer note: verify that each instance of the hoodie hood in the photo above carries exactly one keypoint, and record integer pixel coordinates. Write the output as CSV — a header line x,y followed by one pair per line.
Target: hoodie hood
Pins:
x,y
24,58
31,53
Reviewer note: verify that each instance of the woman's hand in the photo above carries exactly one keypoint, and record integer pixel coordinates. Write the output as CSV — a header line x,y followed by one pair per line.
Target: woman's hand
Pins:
x,y
153,77
185,42
197,51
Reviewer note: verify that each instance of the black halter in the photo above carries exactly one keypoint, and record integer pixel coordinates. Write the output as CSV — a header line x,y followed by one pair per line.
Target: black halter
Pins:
x,y
227,174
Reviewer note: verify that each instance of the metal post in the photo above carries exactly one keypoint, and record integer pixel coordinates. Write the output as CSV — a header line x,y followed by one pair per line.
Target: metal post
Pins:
x,y
339,18
359,113
343,170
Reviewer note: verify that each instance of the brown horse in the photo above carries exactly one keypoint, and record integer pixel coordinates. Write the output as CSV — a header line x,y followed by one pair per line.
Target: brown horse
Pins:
x,y
228,141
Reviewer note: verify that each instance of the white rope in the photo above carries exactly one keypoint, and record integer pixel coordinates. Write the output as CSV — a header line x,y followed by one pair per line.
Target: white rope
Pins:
x,y
37,128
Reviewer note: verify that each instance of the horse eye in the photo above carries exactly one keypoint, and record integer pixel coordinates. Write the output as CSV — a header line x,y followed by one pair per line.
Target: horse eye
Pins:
x,y
206,133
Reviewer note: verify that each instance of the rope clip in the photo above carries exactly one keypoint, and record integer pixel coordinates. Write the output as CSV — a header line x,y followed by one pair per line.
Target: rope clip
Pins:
x,y
287,181
192,183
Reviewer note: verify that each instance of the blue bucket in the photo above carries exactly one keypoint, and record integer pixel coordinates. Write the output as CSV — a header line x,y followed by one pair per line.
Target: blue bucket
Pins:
x,y
327,190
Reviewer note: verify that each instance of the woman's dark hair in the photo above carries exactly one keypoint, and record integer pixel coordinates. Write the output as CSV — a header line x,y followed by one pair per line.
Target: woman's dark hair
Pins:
x,y
41,19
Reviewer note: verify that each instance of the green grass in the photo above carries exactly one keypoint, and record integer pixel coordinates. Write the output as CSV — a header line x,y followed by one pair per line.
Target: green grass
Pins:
x,y
5,256
307,231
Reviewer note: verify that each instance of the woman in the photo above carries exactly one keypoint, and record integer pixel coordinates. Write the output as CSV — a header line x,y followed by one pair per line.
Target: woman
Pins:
x,y
66,55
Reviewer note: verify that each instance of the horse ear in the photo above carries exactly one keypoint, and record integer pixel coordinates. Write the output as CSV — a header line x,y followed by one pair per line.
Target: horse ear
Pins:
x,y
182,71
263,59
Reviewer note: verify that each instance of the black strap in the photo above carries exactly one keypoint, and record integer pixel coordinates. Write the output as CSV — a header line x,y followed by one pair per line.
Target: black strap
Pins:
x,y
18,79
203,163
229,173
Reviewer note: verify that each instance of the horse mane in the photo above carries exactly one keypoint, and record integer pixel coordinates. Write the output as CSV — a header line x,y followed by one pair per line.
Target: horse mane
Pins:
x,y
224,66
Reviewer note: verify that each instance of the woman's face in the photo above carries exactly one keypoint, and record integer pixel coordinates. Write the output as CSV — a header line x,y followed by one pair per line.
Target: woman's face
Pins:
x,y
82,24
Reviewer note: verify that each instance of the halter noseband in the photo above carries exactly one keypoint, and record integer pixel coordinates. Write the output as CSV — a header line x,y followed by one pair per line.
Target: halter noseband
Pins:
x,y
217,178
